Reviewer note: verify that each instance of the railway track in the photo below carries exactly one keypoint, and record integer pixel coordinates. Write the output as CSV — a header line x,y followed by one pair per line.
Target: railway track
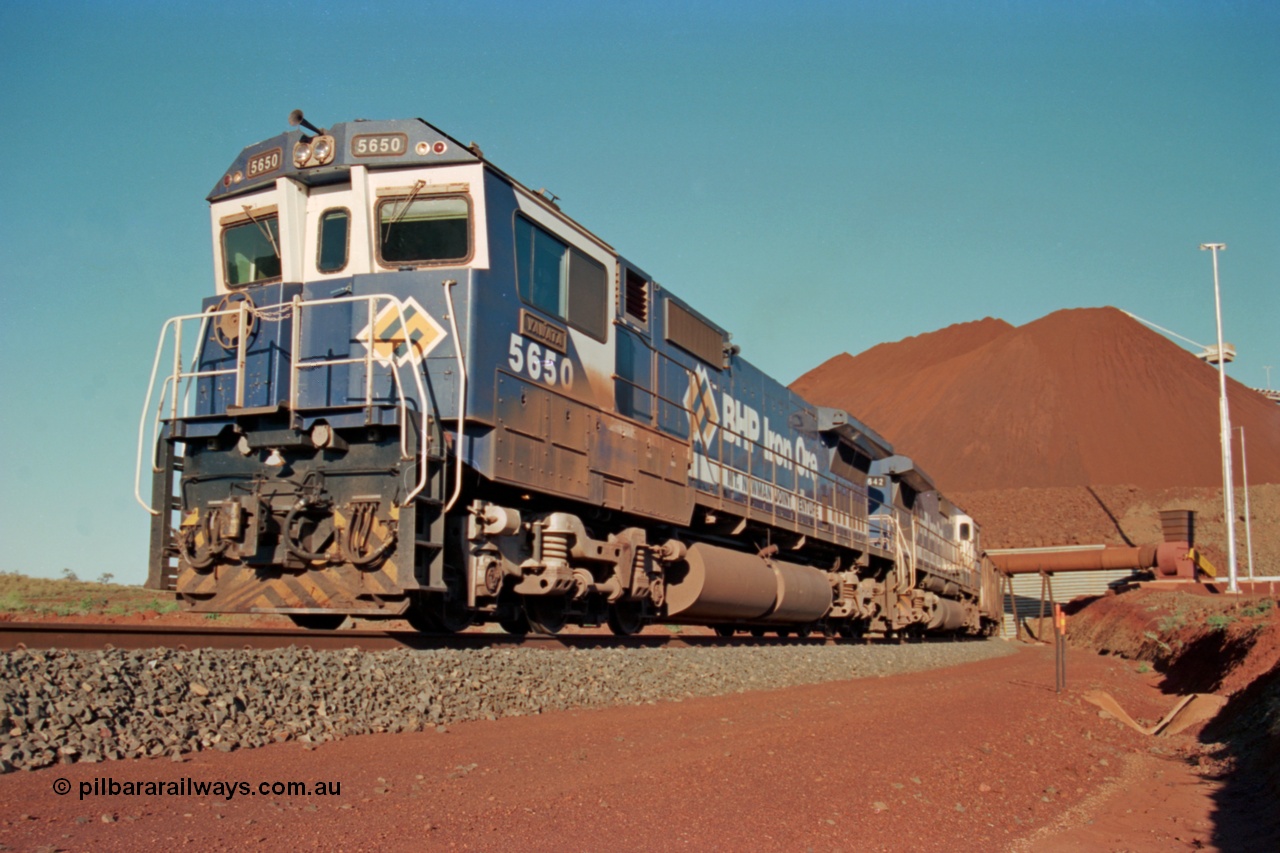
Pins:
x,y
69,635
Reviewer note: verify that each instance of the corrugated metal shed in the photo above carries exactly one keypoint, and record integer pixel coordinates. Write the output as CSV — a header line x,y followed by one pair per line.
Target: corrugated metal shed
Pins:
x,y
1065,587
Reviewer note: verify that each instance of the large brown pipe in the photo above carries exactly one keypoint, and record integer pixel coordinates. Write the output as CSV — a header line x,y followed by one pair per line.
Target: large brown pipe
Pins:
x,y
1138,557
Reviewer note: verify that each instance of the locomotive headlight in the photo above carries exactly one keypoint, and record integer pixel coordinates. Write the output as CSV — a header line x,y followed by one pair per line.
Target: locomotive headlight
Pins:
x,y
322,150
274,459
301,154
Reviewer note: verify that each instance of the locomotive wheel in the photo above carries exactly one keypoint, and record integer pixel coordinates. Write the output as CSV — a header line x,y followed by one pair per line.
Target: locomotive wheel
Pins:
x,y
435,615
804,631
420,620
318,621
724,630
511,615
546,614
625,618
757,632
454,616
514,621
853,630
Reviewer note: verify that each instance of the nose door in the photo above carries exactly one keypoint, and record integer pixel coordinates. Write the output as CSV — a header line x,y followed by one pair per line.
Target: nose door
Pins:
x,y
336,241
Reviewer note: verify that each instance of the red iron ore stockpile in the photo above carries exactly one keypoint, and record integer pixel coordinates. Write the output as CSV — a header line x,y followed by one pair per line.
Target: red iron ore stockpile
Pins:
x,y
1066,408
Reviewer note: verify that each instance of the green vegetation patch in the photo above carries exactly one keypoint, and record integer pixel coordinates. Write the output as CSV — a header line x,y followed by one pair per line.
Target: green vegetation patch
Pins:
x,y
70,596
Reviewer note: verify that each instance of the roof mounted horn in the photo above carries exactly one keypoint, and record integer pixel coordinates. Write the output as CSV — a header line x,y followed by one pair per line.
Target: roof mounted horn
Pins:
x,y
296,118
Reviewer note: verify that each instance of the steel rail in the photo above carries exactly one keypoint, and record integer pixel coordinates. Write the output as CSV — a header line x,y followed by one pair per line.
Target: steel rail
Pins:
x,y
81,636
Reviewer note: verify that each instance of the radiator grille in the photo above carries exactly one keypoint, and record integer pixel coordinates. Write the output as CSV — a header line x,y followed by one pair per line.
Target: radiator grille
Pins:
x,y
694,336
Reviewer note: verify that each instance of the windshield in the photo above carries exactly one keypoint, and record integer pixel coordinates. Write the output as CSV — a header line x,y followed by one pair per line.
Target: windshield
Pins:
x,y
423,230
249,251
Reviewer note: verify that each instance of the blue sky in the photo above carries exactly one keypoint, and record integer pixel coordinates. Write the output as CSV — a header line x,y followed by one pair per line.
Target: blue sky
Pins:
x,y
817,177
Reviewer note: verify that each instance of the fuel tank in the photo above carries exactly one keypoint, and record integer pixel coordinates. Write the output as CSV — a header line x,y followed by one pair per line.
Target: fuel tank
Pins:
x,y
720,585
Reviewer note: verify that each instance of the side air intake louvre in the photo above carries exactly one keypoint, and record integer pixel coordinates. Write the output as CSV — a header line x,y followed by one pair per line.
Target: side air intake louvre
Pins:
x,y
636,298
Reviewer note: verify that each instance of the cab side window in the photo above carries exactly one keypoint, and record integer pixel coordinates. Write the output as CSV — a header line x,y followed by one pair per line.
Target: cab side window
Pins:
x,y
560,280
334,240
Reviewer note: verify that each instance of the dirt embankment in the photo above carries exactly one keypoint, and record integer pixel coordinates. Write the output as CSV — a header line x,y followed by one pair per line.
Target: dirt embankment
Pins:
x,y
1201,643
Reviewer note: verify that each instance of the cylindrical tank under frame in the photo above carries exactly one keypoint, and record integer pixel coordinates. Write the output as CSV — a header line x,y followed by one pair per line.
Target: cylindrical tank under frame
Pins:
x,y
944,614
717,585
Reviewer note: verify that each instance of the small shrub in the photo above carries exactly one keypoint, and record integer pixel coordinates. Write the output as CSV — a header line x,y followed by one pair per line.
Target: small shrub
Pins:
x,y
68,575
1219,621
1144,667
1261,608
1155,638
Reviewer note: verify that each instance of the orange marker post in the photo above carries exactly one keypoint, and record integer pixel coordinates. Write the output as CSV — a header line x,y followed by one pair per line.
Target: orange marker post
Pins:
x,y
1060,647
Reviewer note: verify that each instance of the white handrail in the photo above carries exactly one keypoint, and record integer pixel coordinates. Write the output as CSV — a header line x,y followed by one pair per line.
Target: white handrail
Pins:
x,y
462,391
171,383
371,301
142,421
180,400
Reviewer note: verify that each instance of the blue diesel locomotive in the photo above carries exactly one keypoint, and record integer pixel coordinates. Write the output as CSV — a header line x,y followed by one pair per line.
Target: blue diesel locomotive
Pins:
x,y
420,390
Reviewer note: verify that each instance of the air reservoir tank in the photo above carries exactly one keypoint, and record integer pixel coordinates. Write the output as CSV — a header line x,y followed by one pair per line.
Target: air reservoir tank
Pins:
x,y
720,585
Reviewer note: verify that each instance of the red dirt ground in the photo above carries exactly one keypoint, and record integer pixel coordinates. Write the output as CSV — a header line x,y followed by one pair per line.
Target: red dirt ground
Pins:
x,y
986,757
981,757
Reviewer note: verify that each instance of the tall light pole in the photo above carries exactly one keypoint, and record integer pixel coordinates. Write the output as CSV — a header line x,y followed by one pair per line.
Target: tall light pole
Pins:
x,y
1228,488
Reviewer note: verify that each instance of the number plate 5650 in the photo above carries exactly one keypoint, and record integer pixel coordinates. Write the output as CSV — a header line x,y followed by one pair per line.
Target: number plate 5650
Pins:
x,y
541,365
